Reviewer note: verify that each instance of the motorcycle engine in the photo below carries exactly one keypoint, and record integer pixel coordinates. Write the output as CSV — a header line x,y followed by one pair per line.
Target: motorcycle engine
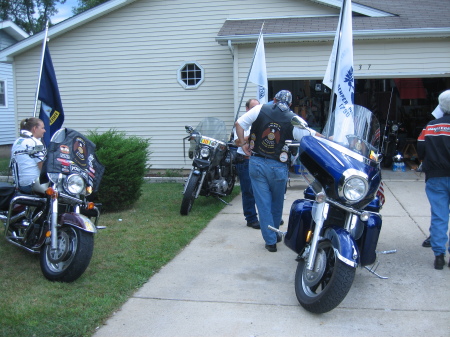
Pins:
x,y
219,185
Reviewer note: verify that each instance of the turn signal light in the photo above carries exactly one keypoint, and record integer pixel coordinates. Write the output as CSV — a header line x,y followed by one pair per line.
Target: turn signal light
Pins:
x,y
90,205
51,192
48,234
309,236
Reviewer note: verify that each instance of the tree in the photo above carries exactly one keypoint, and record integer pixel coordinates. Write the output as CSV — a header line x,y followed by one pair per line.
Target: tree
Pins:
x,y
30,15
84,5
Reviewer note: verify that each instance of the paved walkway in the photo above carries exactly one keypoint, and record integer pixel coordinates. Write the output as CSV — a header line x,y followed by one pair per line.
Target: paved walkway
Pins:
x,y
225,283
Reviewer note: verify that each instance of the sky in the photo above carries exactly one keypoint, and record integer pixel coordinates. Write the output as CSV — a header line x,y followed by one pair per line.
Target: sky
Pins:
x,y
64,11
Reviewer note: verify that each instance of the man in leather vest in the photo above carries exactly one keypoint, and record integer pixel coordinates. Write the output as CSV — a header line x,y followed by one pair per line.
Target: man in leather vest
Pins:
x,y
270,127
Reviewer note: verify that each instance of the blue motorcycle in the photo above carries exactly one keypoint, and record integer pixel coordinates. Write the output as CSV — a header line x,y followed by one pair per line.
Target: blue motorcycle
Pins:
x,y
336,226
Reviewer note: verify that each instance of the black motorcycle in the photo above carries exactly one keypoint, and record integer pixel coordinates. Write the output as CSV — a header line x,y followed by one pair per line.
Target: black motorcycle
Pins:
x,y
56,221
213,171
393,139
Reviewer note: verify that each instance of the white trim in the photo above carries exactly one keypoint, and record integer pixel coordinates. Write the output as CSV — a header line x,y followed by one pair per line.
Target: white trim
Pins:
x,y
184,84
329,35
6,93
13,30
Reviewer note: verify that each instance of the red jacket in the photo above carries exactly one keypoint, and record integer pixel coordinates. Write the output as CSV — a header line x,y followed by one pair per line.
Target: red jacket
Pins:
x,y
433,147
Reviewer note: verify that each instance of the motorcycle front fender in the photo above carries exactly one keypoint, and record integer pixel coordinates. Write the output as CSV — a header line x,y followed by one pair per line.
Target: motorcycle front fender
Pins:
x,y
201,163
343,243
78,220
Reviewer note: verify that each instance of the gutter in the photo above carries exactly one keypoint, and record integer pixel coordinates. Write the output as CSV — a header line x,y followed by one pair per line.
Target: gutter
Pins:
x,y
372,34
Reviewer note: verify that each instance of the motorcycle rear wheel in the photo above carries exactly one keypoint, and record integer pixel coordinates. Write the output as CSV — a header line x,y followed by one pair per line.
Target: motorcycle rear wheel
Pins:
x,y
68,263
189,195
334,280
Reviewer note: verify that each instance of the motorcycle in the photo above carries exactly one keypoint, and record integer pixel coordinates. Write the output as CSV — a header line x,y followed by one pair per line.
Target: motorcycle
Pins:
x,y
56,221
213,171
391,143
336,226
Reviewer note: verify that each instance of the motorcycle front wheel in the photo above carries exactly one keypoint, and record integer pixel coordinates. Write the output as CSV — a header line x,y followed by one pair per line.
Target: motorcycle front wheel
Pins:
x,y
71,258
323,288
189,195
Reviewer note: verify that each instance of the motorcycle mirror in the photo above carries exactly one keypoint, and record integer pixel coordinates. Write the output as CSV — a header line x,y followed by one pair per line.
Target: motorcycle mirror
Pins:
x,y
299,122
189,128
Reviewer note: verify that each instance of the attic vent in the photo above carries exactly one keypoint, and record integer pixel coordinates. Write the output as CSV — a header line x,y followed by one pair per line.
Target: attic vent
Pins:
x,y
190,75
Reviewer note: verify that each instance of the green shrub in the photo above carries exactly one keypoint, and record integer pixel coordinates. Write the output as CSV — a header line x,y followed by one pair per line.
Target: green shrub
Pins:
x,y
125,161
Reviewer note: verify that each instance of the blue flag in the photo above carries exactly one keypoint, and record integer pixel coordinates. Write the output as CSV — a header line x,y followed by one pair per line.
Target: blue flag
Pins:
x,y
51,113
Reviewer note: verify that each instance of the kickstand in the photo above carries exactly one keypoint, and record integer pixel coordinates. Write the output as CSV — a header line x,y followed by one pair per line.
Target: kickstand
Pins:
x,y
226,203
372,269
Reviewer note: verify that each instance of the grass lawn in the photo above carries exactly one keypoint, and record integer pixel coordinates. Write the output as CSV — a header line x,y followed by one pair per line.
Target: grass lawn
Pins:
x,y
133,247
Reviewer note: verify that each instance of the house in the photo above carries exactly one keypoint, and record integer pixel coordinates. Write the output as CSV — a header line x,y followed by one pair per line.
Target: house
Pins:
x,y
10,33
150,67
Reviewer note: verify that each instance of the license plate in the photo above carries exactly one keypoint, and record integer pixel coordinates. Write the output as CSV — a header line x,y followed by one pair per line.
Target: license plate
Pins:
x,y
205,141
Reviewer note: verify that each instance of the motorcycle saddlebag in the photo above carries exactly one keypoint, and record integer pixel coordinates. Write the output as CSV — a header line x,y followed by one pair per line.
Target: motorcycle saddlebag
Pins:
x,y
6,193
300,221
367,243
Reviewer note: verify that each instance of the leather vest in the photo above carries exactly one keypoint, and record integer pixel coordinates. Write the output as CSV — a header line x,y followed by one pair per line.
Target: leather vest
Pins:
x,y
270,131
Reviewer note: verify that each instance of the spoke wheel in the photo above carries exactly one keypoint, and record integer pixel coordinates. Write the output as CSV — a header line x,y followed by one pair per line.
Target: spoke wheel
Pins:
x,y
72,256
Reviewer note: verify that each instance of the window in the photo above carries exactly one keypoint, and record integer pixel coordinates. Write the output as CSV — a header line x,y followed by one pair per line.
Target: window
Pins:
x,y
2,93
190,75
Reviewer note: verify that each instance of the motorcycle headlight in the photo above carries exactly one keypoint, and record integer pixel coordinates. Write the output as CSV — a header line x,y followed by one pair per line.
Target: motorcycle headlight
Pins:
x,y
353,185
75,184
205,152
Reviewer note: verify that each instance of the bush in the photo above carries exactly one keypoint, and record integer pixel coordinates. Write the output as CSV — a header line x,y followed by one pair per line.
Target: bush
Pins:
x,y
125,161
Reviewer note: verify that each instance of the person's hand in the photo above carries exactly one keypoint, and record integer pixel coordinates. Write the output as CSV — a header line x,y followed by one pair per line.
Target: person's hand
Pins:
x,y
240,143
246,149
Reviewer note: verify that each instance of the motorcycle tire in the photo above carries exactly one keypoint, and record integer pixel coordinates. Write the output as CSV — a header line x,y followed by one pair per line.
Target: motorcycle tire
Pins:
x,y
326,286
68,263
390,152
231,181
189,195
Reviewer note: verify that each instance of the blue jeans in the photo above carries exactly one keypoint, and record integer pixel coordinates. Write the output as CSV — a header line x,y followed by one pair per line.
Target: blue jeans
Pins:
x,y
248,200
438,193
269,178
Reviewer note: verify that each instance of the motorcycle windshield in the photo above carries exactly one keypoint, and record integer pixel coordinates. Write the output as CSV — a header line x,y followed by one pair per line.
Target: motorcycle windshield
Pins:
x,y
71,152
212,127
358,132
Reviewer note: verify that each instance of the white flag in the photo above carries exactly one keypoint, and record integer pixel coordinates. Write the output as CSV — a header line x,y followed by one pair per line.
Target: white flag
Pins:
x,y
258,74
343,85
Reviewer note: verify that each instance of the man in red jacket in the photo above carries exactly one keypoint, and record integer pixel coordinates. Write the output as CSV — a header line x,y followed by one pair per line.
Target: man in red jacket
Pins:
x,y
433,147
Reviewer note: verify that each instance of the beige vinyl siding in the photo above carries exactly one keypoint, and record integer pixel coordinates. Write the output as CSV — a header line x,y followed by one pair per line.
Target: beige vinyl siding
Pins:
x,y
120,71
7,118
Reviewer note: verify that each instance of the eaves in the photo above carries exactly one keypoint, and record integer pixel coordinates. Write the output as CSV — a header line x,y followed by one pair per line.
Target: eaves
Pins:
x,y
375,34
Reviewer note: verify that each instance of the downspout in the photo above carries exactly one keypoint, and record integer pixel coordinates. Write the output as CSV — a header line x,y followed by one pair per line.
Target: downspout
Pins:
x,y
235,77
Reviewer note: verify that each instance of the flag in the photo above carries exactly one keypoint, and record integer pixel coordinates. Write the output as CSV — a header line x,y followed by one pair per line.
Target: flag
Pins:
x,y
340,65
51,113
258,73
380,194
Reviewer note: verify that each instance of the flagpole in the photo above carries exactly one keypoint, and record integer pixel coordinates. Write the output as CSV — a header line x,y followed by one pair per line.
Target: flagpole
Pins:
x,y
336,63
248,75
44,43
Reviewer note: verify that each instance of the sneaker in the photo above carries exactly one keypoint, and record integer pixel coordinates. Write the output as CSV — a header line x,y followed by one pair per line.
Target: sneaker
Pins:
x,y
271,248
254,224
439,262
427,242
